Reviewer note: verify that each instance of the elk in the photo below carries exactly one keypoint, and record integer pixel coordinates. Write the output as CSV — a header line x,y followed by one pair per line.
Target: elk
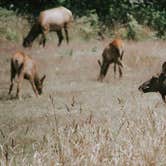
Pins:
x,y
50,20
24,67
113,53
156,83
164,68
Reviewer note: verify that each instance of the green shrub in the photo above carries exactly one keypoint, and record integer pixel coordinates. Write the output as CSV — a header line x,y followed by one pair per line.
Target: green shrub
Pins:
x,y
135,31
11,35
88,25
11,25
154,18
94,13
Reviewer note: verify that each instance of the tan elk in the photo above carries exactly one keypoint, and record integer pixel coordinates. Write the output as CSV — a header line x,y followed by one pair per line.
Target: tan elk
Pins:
x,y
113,53
50,20
24,67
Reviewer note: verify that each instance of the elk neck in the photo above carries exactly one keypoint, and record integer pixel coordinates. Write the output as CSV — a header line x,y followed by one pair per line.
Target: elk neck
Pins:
x,y
34,32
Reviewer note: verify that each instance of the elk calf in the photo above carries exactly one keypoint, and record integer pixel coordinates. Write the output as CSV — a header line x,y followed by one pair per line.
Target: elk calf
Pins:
x,y
113,53
24,67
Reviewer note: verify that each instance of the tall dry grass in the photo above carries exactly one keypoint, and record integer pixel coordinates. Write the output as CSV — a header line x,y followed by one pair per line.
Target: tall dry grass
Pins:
x,y
90,141
129,134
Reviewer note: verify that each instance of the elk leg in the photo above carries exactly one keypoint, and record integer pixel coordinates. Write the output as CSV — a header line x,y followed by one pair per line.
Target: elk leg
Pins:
x,y
114,70
66,33
103,70
19,84
34,87
119,63
163,97
11,86
60,37
120,70
43,40
121,56
13,74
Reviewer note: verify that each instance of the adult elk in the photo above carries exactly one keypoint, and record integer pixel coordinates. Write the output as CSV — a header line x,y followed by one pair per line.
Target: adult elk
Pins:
x,y
113,53
23,66
50,20
156,84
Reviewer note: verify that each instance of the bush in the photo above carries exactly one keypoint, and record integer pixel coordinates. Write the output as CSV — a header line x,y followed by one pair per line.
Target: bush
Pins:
x,y
106,13
154,18
89,25
134,31
11,25
11,35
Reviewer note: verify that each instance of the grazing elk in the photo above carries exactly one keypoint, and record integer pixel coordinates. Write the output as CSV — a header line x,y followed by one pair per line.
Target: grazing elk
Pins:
x,y
113,53
50,20
23,66
156,84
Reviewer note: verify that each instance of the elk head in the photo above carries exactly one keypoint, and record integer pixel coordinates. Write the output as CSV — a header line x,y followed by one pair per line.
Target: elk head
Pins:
x,y
151,85
27,42
39,84
103,69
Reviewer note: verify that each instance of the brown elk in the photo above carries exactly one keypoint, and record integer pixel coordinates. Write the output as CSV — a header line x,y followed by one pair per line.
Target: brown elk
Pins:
x,y
24,67
113,53
50,20
164,68
156,83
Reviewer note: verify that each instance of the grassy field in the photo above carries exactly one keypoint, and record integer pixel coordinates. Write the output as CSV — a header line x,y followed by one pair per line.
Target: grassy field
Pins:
x,y
79,121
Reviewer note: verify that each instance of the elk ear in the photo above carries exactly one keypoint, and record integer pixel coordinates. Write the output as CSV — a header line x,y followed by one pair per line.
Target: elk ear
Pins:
x,y
99,62
42,79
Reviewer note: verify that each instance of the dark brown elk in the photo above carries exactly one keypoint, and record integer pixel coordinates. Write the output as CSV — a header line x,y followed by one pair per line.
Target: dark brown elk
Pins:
x,y
156,84
24,67
164,68
113,53
50,20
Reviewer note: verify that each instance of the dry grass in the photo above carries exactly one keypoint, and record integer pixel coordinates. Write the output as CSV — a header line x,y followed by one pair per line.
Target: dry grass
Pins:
x,y
91,141
79,121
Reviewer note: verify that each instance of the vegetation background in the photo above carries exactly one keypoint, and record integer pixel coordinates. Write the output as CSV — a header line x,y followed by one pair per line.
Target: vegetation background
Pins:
x,y
133,15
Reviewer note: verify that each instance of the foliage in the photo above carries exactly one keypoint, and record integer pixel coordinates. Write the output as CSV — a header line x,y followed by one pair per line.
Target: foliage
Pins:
x,y
135,31
154,18
91,26
5,31
110,12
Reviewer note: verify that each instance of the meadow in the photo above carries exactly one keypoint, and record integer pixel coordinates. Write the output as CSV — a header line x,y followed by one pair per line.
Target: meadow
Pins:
x,y
78,120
